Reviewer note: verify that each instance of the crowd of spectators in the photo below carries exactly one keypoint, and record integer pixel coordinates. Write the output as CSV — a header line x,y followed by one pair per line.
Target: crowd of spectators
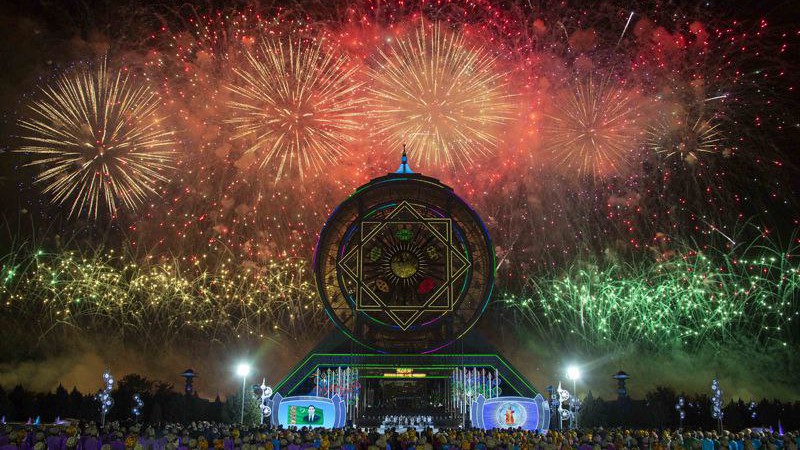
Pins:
x,y
205,435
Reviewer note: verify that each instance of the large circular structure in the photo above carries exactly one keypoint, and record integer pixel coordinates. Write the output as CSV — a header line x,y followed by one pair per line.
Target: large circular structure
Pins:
x,y
404,265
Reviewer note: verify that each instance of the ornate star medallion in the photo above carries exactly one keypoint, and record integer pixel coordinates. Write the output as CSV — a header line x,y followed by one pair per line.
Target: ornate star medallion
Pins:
x,y
406,265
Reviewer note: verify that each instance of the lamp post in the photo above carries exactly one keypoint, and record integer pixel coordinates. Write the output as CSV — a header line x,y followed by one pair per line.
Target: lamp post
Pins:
x,y
242,370
574,373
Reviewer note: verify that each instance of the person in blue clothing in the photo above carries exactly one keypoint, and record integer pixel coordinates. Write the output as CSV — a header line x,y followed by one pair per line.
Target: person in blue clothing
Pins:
x,y
706,442
736,443
756,439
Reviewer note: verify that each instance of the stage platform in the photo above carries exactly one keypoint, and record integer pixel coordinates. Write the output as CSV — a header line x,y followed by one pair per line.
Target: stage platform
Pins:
x,y
478,353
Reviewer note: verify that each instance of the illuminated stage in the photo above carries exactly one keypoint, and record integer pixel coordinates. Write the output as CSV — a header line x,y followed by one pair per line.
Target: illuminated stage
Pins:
x,y
405,269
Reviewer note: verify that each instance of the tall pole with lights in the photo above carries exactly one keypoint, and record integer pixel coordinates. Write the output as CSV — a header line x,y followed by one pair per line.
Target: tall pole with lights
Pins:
x,y
717,402
104,396
266,393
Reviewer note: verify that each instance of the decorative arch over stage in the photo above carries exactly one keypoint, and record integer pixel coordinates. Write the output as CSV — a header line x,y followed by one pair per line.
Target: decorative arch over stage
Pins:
x,y
405,269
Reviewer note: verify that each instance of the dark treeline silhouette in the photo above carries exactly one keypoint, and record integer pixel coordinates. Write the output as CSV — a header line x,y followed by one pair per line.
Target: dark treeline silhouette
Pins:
x,y
658,410
163,404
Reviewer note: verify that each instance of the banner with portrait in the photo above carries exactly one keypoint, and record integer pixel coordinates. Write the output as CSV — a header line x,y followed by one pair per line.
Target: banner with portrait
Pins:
x,y
510,412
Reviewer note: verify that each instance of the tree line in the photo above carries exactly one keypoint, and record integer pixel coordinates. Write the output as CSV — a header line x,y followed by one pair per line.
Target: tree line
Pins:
x,y
658,410
161,404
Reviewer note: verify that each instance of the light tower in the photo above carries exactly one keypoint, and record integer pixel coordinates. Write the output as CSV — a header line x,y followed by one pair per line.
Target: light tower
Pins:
x,y
622,391
188,375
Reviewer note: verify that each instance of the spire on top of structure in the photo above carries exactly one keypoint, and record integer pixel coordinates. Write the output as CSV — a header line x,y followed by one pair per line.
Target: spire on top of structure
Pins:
x,y
404,163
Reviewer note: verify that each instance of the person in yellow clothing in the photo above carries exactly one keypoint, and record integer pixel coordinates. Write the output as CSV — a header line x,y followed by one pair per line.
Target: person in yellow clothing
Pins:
x,y
656,443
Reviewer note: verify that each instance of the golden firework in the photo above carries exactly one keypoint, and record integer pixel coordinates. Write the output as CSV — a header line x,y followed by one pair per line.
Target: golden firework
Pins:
x,y
97,137
441,96
685,137
158,301
594,128
295,104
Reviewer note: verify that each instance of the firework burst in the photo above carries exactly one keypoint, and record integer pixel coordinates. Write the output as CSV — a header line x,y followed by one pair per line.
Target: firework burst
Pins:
x,y
441,96
158,301
594,128
97,138
295,105
688,299
684,137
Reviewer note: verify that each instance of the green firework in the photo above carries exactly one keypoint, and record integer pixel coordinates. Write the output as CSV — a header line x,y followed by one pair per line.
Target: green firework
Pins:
x,y
689,300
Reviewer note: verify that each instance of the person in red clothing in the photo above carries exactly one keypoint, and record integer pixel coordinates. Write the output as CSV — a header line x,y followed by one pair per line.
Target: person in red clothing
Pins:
x,y
510,417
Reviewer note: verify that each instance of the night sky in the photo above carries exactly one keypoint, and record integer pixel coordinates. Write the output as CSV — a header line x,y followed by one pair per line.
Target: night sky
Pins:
x,y
167,169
